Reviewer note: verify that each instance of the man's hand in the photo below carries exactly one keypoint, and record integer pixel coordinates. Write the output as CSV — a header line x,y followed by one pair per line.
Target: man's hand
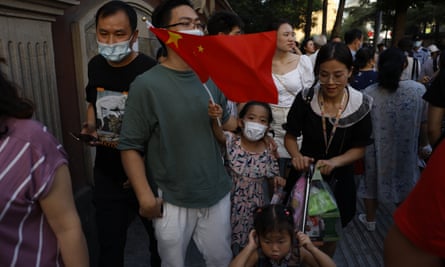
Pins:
x,y
89,129
151,210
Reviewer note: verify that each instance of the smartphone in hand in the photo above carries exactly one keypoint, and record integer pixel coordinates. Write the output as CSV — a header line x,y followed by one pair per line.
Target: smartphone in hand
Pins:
x,y
84,137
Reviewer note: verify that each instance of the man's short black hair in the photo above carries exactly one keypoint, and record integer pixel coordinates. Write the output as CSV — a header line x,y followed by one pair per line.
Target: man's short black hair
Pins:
x,y
113,7
352,35
405,44
162,14
223,21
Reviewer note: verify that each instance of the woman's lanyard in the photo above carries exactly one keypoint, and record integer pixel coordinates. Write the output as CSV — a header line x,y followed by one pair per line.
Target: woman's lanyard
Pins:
x,y
337,118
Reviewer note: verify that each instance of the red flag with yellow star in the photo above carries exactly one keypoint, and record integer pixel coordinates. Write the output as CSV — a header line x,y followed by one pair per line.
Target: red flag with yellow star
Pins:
x,y
241,65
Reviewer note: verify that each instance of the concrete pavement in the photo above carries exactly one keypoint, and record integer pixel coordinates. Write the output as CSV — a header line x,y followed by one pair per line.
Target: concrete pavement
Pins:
x,y
357,246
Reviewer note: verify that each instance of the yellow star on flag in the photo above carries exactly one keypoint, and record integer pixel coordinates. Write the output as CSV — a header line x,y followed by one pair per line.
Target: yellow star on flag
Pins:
x,y
200,49
173,38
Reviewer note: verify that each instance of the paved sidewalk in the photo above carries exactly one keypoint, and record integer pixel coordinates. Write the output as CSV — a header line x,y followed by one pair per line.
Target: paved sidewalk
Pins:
x,y
357,247
137,250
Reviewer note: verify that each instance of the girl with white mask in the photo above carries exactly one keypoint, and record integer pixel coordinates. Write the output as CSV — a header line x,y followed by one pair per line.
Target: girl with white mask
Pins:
x,y
251,164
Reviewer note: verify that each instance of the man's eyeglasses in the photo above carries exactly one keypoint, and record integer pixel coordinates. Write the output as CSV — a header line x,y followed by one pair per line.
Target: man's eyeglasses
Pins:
x,y
187,24
336,78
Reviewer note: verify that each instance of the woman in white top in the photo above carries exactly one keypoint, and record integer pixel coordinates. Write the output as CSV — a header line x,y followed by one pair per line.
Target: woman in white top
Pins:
x,y
291,74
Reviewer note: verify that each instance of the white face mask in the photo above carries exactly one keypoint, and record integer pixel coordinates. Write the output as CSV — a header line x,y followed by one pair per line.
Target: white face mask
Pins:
x,y
193,32
115,52
254,131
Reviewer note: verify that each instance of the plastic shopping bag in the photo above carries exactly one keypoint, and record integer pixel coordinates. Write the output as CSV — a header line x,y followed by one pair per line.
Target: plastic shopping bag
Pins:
x,y
322,210
321,198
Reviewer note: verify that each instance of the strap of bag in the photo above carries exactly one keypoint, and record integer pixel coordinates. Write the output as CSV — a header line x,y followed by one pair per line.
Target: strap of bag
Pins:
x,y
310,94
333,181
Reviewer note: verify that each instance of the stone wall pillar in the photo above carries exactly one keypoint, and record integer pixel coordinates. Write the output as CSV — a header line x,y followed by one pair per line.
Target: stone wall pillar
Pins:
x,y
26,42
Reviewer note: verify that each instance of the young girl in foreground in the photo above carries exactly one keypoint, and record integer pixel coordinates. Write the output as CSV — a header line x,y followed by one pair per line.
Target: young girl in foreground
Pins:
x,y
273,242
251,165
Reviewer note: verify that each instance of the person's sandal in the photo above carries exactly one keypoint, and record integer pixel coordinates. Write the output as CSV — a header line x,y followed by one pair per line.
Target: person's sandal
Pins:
x,y
370,226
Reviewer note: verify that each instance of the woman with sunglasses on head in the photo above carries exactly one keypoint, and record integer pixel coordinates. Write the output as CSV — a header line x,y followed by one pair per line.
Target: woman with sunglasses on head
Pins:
x,y
334,120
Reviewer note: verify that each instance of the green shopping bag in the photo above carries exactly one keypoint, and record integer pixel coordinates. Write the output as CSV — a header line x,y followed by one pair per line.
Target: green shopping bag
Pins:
x,y
321,198
322,210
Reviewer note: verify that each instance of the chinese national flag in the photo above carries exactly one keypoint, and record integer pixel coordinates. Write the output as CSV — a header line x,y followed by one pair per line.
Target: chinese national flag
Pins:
x,y
241,65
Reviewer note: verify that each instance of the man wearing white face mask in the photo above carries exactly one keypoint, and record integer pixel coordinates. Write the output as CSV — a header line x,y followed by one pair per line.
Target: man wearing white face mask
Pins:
x,y
166,120
109,76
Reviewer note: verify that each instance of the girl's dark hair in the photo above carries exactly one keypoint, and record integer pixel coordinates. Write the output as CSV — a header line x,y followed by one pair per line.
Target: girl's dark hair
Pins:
x,y
277,23
391,64
362,57
274,218
304,43
333,51
249,104
113,7
11,104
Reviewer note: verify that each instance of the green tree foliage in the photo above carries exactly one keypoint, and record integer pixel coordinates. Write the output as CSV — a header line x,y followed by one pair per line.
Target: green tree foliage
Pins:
x,y
258,14
430,14
404,18
358,16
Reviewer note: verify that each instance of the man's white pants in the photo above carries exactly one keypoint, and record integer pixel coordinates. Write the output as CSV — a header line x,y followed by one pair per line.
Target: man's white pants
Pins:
x,y
209,227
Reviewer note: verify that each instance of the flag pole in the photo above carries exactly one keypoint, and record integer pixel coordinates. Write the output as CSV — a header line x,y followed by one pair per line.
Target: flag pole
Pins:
x,y
145,19
211,99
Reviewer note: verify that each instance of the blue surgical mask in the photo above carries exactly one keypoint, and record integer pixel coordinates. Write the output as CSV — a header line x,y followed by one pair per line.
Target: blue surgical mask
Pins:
x,y
115,52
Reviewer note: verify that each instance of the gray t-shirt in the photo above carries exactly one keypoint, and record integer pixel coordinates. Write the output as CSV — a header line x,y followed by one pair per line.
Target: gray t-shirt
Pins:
x,y
166,118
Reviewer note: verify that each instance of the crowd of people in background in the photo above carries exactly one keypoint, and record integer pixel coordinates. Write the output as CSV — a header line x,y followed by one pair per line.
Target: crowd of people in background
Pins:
x,y
205,171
